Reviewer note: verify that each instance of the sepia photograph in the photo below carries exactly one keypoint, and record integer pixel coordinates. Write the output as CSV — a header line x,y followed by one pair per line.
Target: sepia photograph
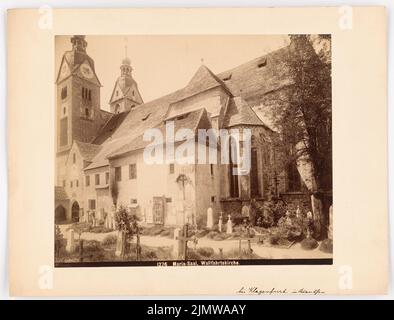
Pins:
x,y
193,150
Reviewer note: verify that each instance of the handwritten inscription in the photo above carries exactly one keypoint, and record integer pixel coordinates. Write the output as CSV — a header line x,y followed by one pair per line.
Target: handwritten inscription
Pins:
x,y
278,291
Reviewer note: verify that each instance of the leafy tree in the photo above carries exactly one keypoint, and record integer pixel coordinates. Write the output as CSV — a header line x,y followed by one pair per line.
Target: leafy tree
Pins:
x,y
302,115
127,223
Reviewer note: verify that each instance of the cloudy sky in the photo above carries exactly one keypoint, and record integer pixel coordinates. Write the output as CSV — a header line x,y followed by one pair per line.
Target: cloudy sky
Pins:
x,y
163,64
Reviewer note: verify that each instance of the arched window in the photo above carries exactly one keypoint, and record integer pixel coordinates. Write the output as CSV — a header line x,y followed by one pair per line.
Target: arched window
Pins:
x,y
87,112
294,183
254,175
233,149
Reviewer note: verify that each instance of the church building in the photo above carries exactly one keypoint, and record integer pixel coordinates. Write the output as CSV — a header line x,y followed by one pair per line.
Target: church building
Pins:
x,y
99,160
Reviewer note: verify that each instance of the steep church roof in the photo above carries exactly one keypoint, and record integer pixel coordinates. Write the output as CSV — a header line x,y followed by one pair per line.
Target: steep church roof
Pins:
x,y
203,80
255,78
240,113
250,81
87,150
192,120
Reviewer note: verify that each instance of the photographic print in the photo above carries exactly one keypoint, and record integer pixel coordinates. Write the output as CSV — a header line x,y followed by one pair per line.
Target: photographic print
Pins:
x,y
193,150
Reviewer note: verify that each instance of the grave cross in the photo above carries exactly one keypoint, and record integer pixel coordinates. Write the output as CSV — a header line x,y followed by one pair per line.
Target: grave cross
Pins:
x,y
183,240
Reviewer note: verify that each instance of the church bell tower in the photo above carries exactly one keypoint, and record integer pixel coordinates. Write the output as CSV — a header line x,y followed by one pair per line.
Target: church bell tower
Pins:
x,y
78,97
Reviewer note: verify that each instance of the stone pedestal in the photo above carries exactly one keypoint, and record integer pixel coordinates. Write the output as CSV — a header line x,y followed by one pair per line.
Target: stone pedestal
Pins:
x,y
70,247
229,225
209,218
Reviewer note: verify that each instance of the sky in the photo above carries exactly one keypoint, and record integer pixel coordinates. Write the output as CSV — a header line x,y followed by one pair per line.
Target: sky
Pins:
x,y
163,64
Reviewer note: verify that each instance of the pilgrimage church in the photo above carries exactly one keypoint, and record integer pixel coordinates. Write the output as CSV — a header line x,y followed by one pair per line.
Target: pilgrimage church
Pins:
x,y
99,158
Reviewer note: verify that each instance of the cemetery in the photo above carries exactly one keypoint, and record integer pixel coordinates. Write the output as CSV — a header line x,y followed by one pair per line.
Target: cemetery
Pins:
x,y
123,237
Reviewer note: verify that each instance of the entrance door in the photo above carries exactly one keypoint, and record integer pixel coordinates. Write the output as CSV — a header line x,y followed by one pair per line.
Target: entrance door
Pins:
x,y
60,214
75,212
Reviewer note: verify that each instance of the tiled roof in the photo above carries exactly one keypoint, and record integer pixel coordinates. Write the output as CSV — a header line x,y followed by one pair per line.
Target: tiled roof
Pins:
x,y
204,79
189,120
240,113
60,194
110,127
255,78
88,150
250,80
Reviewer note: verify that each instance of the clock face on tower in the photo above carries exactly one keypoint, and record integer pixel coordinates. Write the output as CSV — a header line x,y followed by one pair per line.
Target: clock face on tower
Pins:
x,y
86,71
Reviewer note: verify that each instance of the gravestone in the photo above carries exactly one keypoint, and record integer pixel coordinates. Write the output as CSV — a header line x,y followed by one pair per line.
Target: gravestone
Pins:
x,y
177,248
120,244
70,247
220,223
229,225
209,218
245,212
298,212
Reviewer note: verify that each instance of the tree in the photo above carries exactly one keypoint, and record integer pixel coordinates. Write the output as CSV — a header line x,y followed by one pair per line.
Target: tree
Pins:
x,y
303,117
127,225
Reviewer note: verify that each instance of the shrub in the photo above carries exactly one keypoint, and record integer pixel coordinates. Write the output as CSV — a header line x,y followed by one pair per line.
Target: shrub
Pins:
x,y
100,229
309,244
109,240
205,252
274,239
326,246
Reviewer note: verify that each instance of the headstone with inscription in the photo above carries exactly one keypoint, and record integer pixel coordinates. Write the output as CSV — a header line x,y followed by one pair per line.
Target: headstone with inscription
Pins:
x,y
229,225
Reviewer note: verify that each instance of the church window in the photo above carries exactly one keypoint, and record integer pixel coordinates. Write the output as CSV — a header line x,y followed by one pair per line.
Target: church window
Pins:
x,y
117,93
64,93
234,189
63,132
64,110
172,168
133,93
106,177
118,173
97,179
87,112
213,199
74,158
293,178
90,95
168,200
254,178
92,204
211,167
133,171
71,184
87,181
77,183
83,93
